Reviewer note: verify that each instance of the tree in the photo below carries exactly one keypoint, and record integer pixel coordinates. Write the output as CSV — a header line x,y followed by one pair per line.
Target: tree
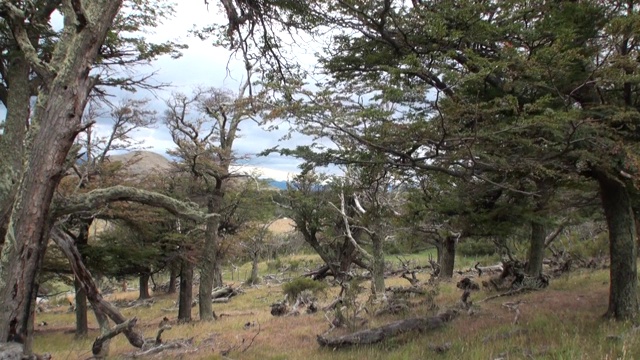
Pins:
x,y
477,82
204,127
66,83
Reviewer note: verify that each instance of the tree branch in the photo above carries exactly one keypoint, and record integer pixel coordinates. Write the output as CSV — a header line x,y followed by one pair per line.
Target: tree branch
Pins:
x,y
16,19
102,197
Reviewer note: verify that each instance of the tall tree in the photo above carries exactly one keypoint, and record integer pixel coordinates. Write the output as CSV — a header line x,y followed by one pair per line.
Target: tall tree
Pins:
x,y
56,120
204,127
488,91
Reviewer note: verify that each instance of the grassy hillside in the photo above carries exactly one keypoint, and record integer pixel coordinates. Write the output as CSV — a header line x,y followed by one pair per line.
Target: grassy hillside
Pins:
x,y
561,322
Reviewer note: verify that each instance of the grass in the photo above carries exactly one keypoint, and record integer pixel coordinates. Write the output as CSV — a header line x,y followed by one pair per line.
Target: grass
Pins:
x,y
561,322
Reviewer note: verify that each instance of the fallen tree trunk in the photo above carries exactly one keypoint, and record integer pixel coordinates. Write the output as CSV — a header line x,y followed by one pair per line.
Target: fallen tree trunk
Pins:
x,y
224,292
372,336
93,294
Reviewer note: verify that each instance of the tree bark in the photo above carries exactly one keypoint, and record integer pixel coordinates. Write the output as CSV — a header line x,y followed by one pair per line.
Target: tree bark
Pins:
x,y
253,279
13,133
186,292
144,286
82,326
210,274
377,268
173,274
448,257
54,126
375,335
536,249
623,290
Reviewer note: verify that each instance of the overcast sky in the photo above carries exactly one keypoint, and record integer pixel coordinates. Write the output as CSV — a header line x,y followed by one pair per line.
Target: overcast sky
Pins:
x,y
208,66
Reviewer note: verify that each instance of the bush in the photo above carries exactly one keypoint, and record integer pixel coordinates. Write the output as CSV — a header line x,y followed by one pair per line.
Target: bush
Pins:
x,y
274,265
476,248
296,286
595,247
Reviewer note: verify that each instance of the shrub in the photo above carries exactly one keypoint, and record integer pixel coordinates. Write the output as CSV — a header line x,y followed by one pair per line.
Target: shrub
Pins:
x,y
274,265
595,247
473,247
296,286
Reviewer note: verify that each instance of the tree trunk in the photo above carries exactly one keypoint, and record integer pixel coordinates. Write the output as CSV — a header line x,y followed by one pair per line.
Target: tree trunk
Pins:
x,y
54,126
144,286
345,259
447,262
82,326
377,267
186,292
375,335
13,134
623,296
173,274
210,274
254,269
93,294
103,324
536,249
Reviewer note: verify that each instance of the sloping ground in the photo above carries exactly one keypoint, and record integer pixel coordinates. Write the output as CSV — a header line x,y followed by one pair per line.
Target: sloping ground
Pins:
x,y
561,322
282,226
143,162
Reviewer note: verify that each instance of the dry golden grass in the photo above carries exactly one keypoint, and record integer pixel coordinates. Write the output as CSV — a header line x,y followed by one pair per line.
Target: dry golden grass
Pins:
x,y
282,226
561,322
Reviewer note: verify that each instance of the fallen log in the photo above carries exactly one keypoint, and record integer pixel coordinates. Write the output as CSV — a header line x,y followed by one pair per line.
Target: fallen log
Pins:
x,y
488,269
223,292
372,336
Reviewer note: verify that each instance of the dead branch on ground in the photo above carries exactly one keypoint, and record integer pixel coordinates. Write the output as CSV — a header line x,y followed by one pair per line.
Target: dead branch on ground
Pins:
x,y
372,336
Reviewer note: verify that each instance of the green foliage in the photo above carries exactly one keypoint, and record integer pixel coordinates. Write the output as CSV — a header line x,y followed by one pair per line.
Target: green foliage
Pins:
x,y
274,265
296,286
476,247
589,248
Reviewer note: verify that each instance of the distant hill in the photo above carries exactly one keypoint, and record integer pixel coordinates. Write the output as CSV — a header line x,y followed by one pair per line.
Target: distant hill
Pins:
x,y
143,162
282,185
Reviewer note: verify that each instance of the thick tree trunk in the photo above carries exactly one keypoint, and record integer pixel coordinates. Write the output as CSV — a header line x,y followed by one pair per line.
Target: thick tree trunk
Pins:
x,y
377,268
210,274
173,275
186,292
54,126
13,134
623,290
82,326
447,262
144,286
536,249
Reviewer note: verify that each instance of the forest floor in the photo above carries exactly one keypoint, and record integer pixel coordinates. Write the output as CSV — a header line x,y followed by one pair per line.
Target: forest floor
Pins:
x,y
563,321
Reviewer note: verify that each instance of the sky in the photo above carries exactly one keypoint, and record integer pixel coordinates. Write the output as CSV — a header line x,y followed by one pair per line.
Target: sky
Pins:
x,y
202,64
